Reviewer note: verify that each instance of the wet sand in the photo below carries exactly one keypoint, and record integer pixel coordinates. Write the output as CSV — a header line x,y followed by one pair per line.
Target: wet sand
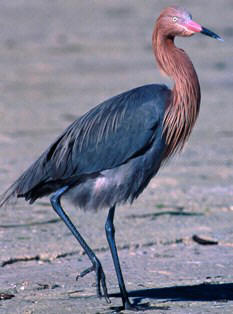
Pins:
x,y
57,60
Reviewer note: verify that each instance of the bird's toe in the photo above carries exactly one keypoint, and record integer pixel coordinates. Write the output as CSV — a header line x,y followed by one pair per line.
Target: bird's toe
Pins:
x,y
101,287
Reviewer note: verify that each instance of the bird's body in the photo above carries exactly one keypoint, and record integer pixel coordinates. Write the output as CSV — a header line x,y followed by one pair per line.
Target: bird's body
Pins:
x,y
109,155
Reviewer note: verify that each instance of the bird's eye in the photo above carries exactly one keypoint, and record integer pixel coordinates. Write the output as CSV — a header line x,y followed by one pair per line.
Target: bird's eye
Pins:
x,y
174,19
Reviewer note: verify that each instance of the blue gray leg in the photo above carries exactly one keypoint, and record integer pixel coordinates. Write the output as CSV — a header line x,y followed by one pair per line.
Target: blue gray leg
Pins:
x,y
110,234
96,265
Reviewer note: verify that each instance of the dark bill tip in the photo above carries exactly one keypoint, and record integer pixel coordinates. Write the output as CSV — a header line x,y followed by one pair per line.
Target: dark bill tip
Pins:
x,y
209,33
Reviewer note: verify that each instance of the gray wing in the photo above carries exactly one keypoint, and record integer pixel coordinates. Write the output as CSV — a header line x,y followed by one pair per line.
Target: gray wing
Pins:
x,y
107,136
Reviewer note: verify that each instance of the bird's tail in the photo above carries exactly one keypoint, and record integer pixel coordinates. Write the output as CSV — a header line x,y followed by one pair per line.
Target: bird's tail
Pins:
x,y
29,179
9,195
18,189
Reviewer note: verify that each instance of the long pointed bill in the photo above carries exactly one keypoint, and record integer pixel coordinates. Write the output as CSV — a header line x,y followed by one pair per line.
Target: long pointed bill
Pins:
x,y
207,32
197,28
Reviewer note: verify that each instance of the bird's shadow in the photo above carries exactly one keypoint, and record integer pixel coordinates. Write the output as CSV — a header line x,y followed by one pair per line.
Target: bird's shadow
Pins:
x,y
201,292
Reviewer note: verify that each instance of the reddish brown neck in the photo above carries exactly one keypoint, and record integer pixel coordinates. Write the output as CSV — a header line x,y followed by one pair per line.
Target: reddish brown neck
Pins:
x,y
183,108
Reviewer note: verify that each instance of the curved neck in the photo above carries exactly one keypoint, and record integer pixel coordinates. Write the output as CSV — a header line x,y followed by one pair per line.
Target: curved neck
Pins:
x,y
183,107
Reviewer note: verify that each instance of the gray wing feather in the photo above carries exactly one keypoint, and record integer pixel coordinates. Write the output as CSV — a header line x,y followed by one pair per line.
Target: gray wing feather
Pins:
x,y
103,138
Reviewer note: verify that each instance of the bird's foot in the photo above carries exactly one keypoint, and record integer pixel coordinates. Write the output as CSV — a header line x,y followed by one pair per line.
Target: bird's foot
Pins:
x,y
131,307
101,287
136,307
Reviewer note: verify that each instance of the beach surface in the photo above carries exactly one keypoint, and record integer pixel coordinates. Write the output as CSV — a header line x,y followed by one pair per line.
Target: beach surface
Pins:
x,y
58,59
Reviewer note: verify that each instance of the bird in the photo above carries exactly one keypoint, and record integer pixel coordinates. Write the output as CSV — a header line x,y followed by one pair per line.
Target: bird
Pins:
x,y
108,156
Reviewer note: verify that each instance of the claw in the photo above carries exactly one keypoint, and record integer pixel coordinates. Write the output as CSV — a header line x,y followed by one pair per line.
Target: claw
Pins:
x,y
132,307
85,272
100,280
137,307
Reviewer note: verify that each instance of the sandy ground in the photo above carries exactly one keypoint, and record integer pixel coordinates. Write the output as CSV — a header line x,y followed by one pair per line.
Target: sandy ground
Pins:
x,y
57,60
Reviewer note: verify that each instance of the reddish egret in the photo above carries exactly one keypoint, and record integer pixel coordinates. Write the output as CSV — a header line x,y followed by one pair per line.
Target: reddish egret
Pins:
x,y
109,155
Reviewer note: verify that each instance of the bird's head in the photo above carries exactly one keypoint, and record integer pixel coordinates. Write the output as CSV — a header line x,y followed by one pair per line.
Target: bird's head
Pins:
x,y
176,21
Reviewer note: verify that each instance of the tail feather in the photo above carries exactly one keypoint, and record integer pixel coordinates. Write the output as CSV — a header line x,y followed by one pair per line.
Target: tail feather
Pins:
x,y
38,179
8,195
34,175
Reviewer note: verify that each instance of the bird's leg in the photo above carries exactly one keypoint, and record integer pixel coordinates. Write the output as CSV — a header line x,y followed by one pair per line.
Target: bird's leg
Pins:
x,y
110,234
96,265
